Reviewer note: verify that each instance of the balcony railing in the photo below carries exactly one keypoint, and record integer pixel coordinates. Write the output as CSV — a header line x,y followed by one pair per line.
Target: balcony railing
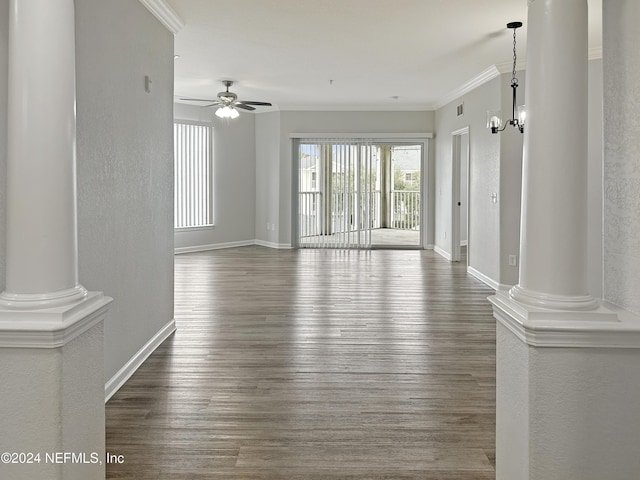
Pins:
x,y
405,209
310,213
348,215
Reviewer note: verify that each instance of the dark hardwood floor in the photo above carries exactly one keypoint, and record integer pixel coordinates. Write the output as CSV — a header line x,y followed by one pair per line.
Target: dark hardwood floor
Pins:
x,y
315,364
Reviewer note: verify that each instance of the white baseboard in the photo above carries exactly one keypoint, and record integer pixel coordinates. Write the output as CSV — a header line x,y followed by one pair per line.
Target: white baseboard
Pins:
x,y
119,379
429,247
483,278
213,246
241,243
441,252
464,243
264,243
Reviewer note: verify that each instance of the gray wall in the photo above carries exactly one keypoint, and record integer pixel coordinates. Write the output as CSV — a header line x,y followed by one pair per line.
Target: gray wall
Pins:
x,y
339,122
267,176
4,40
125,170
252,167
484,177
496,166
622,153
234,179
509,196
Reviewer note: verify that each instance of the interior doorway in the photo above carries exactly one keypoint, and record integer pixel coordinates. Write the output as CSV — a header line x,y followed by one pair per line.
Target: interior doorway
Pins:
x,y
460,196
356,193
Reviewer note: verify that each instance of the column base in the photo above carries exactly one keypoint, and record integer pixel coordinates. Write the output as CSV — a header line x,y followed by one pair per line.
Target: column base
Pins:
x,y
52,393
567,385
553,302
30,301
604,327
51,327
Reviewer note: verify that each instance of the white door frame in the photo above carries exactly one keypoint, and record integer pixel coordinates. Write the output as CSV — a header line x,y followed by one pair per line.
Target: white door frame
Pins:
x,y
456,159
422,139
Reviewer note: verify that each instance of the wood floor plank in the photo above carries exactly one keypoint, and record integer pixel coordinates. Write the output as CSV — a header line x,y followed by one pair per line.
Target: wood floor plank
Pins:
x,y
314,364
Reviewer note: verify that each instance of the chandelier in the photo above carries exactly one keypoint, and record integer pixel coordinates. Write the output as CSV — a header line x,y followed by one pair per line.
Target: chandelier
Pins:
x,y
518,115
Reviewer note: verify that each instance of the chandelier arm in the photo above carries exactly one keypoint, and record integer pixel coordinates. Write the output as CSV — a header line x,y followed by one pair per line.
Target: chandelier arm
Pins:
x,y
513,105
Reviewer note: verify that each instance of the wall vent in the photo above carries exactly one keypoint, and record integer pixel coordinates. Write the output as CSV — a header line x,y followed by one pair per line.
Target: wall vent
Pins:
x,y
460,110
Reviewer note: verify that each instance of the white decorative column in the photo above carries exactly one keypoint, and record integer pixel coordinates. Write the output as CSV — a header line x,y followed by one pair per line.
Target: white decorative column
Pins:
x,y
51,332
554,200
567,382
42,265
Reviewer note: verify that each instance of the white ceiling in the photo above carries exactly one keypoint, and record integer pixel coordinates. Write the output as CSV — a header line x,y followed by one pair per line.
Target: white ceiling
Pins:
x,y
287,51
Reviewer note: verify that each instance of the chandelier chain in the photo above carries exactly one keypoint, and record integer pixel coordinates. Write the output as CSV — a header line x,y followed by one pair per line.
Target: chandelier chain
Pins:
x,y
514,80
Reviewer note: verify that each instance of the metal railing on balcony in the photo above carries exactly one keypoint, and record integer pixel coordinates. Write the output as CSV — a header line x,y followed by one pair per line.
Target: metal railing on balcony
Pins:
x,y
348,215
405,209
310,208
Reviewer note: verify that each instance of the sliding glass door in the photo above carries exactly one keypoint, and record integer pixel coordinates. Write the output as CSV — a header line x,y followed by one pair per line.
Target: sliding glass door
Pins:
x,y
354,193
337,197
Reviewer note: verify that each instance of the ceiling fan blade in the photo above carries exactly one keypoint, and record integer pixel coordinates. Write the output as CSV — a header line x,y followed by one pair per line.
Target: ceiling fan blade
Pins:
x,y
211,105
259,104
198,99
244,107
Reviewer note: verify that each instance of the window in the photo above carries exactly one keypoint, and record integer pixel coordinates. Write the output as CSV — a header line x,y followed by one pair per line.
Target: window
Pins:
x,y
193,170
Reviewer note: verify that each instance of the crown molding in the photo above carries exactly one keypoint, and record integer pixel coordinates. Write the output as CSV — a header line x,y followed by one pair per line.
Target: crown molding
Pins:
x,y
330,108
492,72
507,67
355,108
480,79
165,13
367,135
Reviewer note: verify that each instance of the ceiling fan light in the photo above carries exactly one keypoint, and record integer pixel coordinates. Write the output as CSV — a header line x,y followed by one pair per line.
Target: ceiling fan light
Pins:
x,y
226,112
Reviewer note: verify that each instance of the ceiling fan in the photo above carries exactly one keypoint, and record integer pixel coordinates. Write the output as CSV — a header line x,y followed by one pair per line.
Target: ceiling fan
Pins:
x,y
227,103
